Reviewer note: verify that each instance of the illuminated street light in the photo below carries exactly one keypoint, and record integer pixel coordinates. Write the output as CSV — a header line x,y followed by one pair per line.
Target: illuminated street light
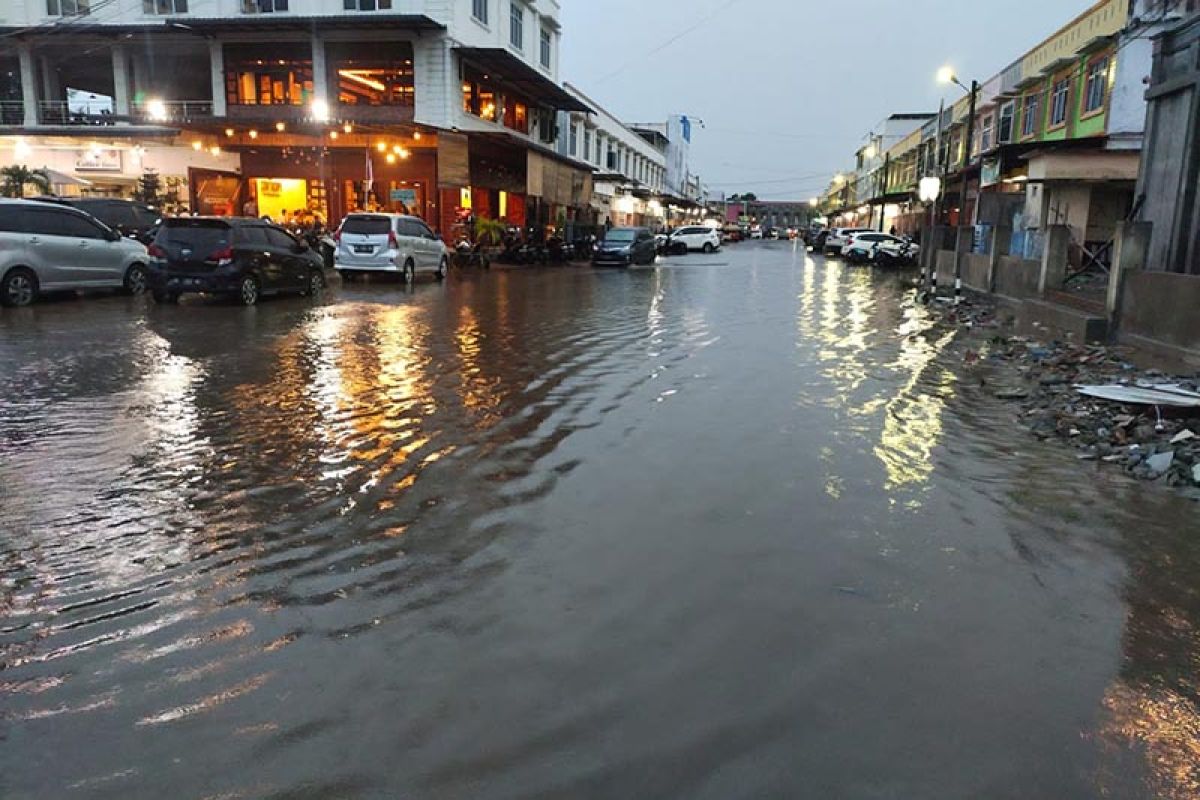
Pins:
x,y
870,152
839,178
320,110
814,202
156,109
930,189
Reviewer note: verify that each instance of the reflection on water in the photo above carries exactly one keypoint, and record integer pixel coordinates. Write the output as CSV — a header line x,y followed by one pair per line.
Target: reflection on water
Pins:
x,y
696,530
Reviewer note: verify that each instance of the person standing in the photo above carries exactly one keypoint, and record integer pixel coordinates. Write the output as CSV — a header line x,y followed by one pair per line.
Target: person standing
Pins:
x,y
250,208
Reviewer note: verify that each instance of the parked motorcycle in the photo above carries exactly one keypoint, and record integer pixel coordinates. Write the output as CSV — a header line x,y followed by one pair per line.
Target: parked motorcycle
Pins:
x,y
896,254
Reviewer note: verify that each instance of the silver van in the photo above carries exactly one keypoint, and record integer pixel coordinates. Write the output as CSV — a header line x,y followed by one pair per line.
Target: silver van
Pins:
x,y
46,247
393,243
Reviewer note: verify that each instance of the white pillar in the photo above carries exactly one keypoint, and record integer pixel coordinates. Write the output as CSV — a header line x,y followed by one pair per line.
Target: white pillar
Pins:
x,y
216,69
120,65
29,95
320,76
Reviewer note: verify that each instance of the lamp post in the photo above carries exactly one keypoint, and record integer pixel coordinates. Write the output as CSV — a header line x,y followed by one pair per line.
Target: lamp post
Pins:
x,y
947,75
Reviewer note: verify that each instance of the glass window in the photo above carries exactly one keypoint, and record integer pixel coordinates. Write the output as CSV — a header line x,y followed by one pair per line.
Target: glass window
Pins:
x,y
280,238
57,222
373,75
263,6
278,75
1058,102
1094,90
366,225
479,9
252,236
587,144
1005,132
985,133
366,5
164,6
516,31
545,48
574,139
1029,115
67,8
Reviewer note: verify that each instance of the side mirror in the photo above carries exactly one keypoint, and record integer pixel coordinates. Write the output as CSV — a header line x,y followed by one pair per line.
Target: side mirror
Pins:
x,y
300,247
112,236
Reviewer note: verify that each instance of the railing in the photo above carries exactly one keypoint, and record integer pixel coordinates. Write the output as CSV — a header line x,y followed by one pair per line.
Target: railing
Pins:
x,y
12,112
155,112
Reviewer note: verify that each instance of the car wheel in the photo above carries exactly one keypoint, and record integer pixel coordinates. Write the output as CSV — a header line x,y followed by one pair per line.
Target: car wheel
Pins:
x,y
135,280
248,290
19,288
316,283
708,248
443,268
165,298
410,272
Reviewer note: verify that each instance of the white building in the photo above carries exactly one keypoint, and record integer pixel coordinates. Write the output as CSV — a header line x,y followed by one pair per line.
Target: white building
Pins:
x,y
447,107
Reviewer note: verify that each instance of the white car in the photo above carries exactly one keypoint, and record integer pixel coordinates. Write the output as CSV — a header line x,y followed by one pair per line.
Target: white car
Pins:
x,y
388,243
864,244
698,237
756,232
840,237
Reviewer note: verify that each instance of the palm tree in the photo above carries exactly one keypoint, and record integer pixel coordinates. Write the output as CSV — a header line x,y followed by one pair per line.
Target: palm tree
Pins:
x,y
489,230
14,179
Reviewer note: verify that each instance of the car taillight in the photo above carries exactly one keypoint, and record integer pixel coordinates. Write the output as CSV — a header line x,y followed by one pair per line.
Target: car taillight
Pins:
x,y
393,242
156,252
337,236
223,256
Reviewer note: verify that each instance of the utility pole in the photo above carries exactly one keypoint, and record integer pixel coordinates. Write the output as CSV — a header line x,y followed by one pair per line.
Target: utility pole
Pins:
x,y
887,160
965,164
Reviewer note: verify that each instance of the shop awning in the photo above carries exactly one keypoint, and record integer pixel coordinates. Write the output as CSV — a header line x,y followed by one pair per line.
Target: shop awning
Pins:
x,y
63,179
509,70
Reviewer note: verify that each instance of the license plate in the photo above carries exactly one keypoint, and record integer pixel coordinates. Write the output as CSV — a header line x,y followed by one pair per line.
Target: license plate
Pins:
x,y
364,248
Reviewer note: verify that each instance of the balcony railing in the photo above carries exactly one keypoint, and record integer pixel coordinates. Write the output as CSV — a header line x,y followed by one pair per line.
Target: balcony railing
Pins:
x,y
12,112
58,112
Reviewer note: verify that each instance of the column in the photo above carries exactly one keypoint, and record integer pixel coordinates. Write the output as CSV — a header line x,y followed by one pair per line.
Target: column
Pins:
x,y
1054,258
50,87
320,76
120,65
1130,251
216,70
29,95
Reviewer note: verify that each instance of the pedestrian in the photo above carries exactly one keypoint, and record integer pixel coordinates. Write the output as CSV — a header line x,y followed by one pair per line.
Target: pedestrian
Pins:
x,y
893,230
250,208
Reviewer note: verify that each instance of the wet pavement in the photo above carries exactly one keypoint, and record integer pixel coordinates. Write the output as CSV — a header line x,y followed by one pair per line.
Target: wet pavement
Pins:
x,y
735,526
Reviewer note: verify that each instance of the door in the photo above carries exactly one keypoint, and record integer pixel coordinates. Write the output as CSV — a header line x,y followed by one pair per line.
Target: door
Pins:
x,y
284,249
431,246
255,254
644,248
65,244
413,243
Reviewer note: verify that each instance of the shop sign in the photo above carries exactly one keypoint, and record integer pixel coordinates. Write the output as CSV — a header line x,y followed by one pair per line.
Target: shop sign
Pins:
x,y
989,172
406,196
98,160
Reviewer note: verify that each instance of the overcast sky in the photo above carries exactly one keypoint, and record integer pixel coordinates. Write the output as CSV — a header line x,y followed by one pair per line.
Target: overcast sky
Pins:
x,y
788,88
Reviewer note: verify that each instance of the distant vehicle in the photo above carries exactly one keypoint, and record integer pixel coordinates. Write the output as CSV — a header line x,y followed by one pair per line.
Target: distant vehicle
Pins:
x,y
839,238
622,247
756,232
241,257
388,243
45,248
771,233
792,233
731,233
667,247
815,235
698,237
130,219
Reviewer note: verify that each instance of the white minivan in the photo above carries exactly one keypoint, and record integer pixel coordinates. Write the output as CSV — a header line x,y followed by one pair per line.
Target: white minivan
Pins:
x,y
388,243
695,237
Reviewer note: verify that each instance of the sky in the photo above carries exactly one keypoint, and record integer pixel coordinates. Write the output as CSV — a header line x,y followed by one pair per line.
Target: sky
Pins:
x,y
788,89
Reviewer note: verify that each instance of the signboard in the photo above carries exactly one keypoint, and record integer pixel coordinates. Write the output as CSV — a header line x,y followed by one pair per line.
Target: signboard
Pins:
x,y
453,161
98,159
406,196
989,172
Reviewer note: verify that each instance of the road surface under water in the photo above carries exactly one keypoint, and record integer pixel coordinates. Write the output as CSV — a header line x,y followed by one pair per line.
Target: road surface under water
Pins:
x,y
735,526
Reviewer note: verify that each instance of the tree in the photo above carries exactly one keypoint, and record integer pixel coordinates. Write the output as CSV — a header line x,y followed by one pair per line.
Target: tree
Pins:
x,y
14,179
491,230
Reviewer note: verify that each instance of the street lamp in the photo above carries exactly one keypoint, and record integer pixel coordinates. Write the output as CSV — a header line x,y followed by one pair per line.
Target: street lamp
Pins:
x,y
947,75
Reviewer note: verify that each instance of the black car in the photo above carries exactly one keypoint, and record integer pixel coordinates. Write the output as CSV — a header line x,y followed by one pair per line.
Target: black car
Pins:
x,y
130,219
621,247
242,257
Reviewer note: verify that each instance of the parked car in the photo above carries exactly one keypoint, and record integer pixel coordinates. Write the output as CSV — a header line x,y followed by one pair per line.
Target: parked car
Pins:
x,y
622,247
839,238
815,237
698,237
893,253
756,232
669,247
388,243
242,257
45,248
130,219
731,233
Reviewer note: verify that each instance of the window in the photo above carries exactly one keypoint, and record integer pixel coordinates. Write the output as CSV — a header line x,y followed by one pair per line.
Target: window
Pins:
x,y
372,75
1094,89
164,6
65,223
516,115
545,48
985,133
587,144
612,159
263,6
1058,102
1005,131
280,239
366,5
574,139
479,10
278,75
516,29
1029,115
252,236
66,8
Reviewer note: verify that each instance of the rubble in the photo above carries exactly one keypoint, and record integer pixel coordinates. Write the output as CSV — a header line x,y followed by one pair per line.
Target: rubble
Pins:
x,y
1043,381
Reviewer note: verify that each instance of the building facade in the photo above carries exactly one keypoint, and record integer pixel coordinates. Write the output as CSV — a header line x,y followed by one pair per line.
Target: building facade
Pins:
x,y
445,108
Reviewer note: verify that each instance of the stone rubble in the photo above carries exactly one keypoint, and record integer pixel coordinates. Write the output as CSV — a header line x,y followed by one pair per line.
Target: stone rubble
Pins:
x,y
1040,378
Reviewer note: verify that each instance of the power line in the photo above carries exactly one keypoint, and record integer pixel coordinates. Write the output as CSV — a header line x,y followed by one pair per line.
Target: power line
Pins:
x,y
702,21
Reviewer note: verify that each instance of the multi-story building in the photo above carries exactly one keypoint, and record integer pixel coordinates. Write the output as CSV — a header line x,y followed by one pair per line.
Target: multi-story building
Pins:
x,y
630,168
444,107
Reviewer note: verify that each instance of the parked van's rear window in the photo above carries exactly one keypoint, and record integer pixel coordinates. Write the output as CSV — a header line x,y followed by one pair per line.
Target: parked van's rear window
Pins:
x,y
201,237
363,224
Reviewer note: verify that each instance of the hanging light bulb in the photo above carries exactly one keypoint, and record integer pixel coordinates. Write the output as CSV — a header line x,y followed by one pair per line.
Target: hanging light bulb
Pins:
x,y
404,153
280,126
391,158
229,132
347,128
381,146
215,150
197,145
253,134
333,135
397,149
416,136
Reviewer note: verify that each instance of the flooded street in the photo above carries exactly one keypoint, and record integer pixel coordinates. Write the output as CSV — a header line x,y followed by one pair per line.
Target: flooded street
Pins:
x,y
735,526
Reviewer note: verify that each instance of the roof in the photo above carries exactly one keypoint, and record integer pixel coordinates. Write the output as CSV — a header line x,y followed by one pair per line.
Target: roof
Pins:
x,y
250,22
516,74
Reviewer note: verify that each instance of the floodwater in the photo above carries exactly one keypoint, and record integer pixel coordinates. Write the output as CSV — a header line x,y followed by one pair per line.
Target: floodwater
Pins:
x,y
737,526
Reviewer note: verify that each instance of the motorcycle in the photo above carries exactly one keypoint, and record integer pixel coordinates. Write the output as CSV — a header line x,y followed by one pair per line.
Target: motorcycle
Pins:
x,y
896,254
